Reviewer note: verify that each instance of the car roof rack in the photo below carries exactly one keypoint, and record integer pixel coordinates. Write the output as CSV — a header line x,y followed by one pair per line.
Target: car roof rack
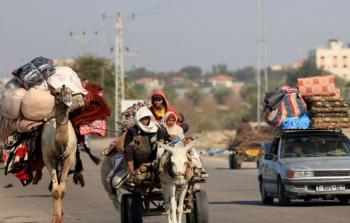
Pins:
x,y
310,130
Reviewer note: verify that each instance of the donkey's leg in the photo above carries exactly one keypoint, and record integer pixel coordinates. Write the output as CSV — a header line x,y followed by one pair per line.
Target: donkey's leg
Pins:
x,y
180,207
173,203
166,190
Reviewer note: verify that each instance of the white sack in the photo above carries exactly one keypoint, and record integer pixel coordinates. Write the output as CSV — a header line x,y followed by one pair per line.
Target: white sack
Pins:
x,y
10,102
68,77
37,104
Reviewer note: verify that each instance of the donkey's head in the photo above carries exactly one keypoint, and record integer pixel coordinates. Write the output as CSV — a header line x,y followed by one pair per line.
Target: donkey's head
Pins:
x,y
180,162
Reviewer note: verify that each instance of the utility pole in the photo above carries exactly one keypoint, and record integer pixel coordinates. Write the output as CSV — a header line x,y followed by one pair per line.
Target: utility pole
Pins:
x,y
264,41
261,57
119,69
83,38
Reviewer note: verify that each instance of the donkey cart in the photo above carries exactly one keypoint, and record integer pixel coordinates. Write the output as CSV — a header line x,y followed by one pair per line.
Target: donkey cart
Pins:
x,y
150,202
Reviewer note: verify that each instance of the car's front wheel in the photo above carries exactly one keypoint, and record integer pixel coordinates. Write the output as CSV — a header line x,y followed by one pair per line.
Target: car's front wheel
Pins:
x,y
343,199
265,199
283,200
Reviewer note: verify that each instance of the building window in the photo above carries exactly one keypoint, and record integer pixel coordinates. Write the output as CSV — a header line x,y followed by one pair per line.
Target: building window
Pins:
x,y
335,61
345,61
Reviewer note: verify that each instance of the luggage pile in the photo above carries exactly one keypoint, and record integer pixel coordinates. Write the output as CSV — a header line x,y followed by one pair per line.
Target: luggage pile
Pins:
x,y
28,101
129,114
327,108
285,106
315,103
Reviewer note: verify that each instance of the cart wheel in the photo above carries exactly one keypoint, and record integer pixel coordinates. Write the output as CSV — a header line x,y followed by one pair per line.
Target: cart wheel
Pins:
x,y
190,218
199,212
234,161
131,208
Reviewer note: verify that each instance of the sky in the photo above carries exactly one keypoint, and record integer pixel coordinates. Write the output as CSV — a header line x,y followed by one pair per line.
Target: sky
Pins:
x,y
169,34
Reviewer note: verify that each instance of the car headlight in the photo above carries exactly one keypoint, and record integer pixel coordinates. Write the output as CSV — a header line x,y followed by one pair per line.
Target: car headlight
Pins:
x,y
298,174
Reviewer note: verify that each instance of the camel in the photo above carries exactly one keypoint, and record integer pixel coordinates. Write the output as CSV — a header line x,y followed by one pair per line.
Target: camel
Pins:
x,y
59,145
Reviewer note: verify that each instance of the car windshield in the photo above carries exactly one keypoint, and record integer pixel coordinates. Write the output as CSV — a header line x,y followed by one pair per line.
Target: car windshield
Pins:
x,y
315,146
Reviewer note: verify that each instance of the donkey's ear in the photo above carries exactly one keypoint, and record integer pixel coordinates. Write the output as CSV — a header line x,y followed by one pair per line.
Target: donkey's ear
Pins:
x,y
189,146
166,147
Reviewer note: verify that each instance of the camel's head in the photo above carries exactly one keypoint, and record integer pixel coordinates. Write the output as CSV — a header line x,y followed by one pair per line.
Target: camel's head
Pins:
x,y
180,161
63,95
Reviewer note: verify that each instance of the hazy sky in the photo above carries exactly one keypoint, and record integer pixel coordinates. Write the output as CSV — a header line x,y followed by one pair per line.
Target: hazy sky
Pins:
x,y
169,34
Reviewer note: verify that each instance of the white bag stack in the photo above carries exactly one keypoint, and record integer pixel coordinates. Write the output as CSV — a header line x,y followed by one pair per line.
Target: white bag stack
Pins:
x,y
37,104
68,77
10,102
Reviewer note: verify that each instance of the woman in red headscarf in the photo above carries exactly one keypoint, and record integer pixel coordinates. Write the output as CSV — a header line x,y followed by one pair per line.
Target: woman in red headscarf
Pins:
x,y
160,105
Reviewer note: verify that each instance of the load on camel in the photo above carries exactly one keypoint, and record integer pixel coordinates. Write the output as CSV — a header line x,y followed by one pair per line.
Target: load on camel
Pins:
x,y
45,113
146,164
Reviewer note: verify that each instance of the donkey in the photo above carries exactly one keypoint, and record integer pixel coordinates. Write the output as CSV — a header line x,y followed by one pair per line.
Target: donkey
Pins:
x,y
175,170
59,144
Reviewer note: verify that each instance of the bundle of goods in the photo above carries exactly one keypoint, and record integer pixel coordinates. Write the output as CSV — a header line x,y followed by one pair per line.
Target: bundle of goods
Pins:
x,y
328,112
92,118
129,114
254,137
284,104
30,100
35,72
327,108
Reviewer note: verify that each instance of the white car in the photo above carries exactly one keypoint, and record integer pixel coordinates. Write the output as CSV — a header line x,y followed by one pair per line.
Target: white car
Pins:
x,y
306,164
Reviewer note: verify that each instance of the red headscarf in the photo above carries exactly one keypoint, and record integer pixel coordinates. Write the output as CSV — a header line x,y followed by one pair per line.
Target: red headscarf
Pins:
x,y
168,107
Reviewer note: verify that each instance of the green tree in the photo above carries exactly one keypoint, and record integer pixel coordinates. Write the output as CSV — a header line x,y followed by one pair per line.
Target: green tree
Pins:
x,y
139,72
247,74
220,93
192,72
220,69
194,94
308,69
99,71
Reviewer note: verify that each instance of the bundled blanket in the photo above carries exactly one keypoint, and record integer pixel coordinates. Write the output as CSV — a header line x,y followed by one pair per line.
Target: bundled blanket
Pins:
x,y
95,109
24,156
35,72
290,105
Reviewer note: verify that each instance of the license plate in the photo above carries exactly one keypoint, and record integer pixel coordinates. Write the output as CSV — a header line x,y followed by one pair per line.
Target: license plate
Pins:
x,y
323,188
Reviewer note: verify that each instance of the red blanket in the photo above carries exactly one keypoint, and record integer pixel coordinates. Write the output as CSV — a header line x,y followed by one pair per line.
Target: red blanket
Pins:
x,y
95,109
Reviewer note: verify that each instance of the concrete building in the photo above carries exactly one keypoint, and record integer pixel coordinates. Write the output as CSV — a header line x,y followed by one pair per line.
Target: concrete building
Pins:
x,y
334,58
149,83
221,80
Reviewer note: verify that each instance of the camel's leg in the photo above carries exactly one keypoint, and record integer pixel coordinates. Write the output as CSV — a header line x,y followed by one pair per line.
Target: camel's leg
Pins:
x,y
50,165
67,164
180,207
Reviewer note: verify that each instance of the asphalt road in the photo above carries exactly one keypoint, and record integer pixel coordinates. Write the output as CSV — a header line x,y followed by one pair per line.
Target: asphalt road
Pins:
x,y
233,197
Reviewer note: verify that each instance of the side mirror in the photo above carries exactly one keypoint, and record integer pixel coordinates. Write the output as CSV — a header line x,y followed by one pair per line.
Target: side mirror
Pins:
x,y
269,156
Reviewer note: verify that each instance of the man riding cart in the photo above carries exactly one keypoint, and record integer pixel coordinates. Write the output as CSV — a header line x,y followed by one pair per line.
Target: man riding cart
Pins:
x,y
247,144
